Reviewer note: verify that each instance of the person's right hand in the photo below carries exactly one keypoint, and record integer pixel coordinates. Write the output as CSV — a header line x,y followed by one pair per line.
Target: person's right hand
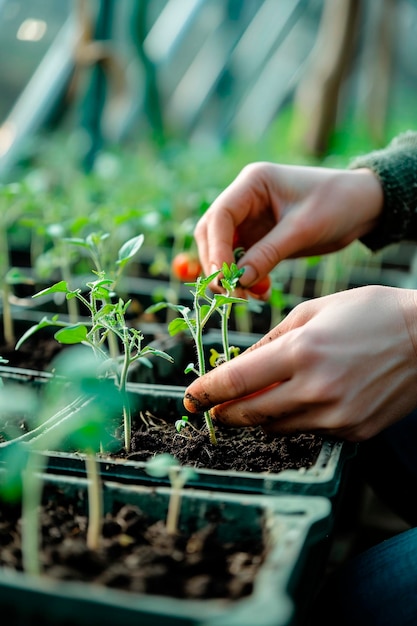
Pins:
x,y
343,365
282,211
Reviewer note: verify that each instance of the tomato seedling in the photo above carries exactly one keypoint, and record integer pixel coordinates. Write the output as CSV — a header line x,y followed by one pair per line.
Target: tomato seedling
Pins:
x,y
195,320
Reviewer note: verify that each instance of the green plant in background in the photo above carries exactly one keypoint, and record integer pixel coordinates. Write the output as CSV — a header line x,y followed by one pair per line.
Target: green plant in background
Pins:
x,y
163,465
95,246
277,303
15,201
24,462
195,321
107,327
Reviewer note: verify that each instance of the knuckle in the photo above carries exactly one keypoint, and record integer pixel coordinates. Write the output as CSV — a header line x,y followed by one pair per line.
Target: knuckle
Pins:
x,y
200,228
234,380
253,170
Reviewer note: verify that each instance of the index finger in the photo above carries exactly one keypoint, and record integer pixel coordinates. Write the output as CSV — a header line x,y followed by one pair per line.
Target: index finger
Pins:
x,y
215,231
246,374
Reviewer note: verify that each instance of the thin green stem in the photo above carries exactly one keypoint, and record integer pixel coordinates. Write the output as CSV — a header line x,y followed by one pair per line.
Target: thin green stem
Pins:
x,y
72,303
198,338
177,480
8,327
127,414
225,330
32,483
95,502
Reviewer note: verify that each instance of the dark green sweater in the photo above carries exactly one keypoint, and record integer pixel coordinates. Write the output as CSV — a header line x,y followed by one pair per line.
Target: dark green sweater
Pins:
x,y
396,168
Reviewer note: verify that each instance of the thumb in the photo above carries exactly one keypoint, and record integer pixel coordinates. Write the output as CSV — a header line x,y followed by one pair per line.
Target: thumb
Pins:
x,y
260,259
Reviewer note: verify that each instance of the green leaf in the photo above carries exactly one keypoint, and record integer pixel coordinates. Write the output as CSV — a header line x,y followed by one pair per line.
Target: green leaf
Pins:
x,y
16,277
277,299
178,325
77,242
101,292
222,299
313,260
101,283
155,352
15,458
129,249
72,334
181,424
44,323
159,465
204,310
158,306
154,308
94,239
61,287
188,473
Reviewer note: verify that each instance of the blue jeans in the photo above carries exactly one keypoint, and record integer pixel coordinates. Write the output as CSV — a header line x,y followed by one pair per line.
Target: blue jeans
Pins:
x,y
379,586
375,588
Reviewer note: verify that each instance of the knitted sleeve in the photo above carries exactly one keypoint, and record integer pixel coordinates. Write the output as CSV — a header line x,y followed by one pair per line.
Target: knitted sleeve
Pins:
x,y
396,168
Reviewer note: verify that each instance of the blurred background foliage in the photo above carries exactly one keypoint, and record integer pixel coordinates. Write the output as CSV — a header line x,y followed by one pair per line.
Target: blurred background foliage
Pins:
x,y
139,112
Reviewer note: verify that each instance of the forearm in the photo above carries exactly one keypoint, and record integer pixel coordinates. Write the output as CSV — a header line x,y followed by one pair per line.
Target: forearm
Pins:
x,y
396,169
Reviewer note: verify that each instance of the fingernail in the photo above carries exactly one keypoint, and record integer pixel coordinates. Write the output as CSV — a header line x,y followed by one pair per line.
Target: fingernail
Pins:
x,y
192,403
214,415
249,276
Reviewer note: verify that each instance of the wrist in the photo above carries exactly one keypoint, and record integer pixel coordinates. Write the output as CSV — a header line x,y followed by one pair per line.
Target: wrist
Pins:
x,y
409,309
369,200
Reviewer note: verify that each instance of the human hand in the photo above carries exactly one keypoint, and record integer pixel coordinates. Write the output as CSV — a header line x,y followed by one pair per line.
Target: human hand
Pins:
x,y
280,211
344,365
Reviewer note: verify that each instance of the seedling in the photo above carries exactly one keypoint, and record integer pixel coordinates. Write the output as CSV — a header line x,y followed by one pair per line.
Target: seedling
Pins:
x,y
184,424
15,201
204,306
163,465
24,466
107,326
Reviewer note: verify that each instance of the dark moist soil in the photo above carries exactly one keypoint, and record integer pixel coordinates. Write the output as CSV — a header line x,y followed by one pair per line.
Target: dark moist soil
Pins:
x,y
135,555
248,449
34,354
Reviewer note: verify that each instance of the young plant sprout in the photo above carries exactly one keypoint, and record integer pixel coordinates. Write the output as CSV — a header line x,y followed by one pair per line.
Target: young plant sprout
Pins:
x,y
163,465
15,202
94,244
24,468
107,325
184,424
204,306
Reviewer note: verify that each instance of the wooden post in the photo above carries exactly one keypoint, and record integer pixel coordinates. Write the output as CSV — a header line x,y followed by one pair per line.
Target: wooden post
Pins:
x,y
379,70
317,98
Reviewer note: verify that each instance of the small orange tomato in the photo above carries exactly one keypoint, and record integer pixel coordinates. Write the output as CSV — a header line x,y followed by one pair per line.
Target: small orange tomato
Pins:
x,y
261,287
186,267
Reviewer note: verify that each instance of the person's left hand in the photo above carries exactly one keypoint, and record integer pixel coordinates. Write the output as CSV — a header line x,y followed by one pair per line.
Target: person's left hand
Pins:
x,y
342,365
